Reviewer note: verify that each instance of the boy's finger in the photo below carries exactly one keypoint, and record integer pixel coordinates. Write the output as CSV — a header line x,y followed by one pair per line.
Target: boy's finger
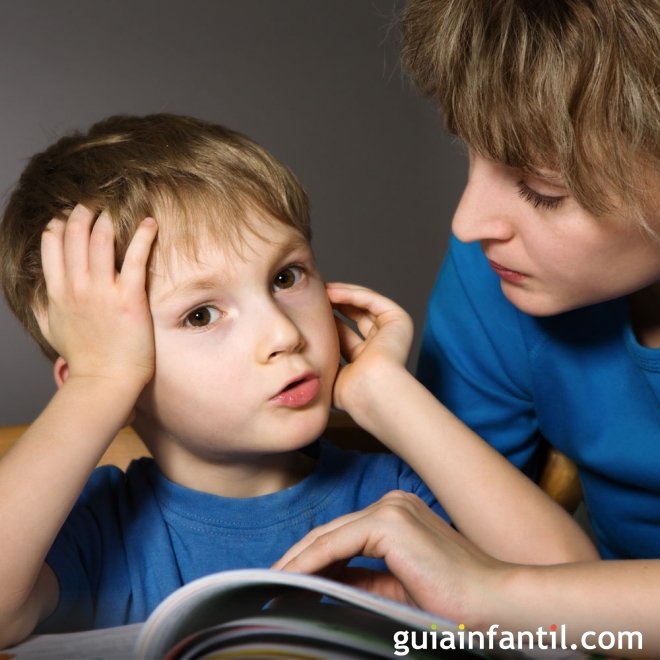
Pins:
x,y
76,241
52,253
360,297
134,268
349,340
372,312
353,313
101,249
363,320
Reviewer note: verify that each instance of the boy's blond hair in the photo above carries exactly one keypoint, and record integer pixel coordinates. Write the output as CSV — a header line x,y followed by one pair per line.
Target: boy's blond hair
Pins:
x,y
566,84
205,176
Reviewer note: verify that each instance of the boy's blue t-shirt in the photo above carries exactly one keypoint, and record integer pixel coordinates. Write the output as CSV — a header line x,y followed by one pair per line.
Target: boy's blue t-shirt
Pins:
x,y
133,538
580,380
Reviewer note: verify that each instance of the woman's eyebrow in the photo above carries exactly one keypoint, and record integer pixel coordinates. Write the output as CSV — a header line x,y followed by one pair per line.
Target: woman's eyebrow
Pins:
x,y
551,176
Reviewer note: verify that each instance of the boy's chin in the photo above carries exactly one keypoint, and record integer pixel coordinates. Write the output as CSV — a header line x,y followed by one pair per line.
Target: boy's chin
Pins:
x,y
305,431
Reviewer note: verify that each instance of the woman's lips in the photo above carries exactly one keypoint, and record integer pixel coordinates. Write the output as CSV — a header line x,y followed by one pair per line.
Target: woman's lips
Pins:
x,y
506,274
299,393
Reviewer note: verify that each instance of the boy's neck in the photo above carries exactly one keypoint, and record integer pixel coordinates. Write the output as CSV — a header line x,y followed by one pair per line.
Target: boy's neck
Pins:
x,y
249,478
645,315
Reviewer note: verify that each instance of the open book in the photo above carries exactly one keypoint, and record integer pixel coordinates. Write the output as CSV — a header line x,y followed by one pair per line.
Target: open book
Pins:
x,y
261,613
257,614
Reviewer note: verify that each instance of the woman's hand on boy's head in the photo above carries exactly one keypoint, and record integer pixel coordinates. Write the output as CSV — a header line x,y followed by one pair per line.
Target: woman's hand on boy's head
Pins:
x,y
383,340
97,319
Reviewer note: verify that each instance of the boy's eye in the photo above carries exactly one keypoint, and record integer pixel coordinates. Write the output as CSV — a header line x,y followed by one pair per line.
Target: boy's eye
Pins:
x,y
202,316
286,278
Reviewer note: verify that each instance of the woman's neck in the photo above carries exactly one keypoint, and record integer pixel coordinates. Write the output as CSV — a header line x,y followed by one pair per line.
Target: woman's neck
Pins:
x,y
645,314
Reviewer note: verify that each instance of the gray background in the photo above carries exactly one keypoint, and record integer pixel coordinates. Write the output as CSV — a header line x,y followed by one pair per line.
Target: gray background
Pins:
x,y
316,81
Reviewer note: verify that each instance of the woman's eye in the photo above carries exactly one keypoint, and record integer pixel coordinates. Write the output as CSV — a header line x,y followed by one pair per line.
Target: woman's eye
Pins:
x,y
536,199
286,278
202,316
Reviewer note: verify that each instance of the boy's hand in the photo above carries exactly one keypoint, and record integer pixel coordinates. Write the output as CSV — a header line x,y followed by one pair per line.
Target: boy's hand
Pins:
x,y
97,319
383,342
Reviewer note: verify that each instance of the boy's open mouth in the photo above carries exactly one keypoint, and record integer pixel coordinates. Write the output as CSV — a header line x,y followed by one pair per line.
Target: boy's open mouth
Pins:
x,y
292,385
298,392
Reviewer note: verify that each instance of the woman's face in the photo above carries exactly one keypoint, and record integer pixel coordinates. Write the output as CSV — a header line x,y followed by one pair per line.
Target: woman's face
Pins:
x,y
550,254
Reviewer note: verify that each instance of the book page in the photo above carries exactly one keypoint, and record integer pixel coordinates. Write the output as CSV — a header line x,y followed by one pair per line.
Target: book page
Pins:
x,y
107,643
228,595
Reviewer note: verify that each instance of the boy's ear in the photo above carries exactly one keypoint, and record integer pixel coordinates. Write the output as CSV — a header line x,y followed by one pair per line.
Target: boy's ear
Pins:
x,y
60,371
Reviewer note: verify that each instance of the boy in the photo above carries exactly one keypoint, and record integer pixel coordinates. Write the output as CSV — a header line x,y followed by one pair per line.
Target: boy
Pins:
x,y
217,341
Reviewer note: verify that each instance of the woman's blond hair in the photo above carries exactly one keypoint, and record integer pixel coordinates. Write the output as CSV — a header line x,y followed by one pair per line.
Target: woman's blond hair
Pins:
x,y
205,176
567,84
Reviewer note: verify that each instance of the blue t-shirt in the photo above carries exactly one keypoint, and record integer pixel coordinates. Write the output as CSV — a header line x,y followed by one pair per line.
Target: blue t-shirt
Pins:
x,y
580,380
133,538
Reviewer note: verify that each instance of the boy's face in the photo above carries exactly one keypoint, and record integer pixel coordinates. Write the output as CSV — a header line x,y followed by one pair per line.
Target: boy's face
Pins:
x,y
550,254
246,348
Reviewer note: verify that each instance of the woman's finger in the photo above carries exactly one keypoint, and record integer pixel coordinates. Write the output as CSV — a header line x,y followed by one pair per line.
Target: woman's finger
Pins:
x,y
325,550
319,531
351,524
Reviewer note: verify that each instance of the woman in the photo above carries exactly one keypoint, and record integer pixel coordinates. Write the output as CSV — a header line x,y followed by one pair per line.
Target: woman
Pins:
x,y
544,325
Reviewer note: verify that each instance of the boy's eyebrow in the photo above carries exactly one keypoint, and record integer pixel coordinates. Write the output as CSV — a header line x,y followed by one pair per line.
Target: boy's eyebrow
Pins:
x,y
190,285
198,283
293,243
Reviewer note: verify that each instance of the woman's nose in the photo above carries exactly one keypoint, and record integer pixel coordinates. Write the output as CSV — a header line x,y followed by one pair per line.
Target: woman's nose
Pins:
x,y
485,210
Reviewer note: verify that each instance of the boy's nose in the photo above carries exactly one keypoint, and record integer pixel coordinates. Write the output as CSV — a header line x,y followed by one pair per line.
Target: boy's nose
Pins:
x,y
278,334
486,206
